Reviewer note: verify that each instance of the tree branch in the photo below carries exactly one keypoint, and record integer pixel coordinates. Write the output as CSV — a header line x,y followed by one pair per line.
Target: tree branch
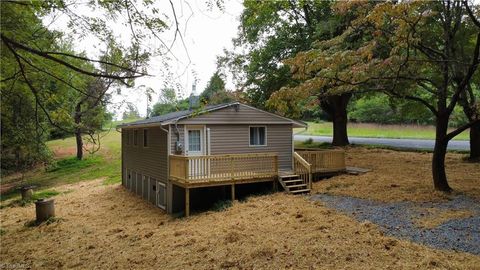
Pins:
x,y
459,130
471,70
471,15
13,43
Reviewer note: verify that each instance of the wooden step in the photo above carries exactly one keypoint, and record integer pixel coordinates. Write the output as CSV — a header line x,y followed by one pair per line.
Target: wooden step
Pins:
x,y
300,191
293,181
295,186
288,176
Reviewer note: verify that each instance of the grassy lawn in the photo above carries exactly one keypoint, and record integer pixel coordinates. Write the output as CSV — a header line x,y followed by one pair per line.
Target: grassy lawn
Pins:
x,y
377,131
67,169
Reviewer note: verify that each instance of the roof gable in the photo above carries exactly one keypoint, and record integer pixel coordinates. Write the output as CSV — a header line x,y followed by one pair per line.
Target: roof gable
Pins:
x,y
229,113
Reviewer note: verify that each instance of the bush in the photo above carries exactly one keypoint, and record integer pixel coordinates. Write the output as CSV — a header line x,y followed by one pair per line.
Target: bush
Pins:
x,y
221,205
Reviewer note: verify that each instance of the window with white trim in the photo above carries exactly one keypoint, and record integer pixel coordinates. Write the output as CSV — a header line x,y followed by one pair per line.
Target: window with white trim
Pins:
x,y
258,136
194,141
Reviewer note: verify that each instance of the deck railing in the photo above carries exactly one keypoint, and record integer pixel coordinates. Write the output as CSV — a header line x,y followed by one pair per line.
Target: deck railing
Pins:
x,y
303,169
324,160
211,168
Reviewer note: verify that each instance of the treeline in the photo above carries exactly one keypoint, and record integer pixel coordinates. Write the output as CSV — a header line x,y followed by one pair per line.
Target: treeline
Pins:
x,y
214,93
381,109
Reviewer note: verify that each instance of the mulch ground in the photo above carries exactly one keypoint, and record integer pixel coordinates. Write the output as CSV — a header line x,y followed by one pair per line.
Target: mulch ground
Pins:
x,y
104,226
101,226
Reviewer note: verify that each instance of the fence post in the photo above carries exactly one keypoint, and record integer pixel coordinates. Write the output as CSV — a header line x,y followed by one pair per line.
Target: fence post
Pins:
x,y
310,176
186,168
232,169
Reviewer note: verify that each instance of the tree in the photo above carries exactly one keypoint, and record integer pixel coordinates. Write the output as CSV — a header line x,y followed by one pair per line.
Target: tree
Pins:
x,y
43,61
131,112
215,92
169,102
272,31
408,50
469,102
90,114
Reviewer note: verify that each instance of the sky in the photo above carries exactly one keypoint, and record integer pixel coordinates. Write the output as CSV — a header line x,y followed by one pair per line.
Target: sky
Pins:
x,y
206,33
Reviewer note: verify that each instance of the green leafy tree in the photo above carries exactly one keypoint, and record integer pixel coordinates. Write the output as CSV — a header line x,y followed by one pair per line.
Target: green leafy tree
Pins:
x,y
272,31
59,78
169,103
215,92
130,113
407,50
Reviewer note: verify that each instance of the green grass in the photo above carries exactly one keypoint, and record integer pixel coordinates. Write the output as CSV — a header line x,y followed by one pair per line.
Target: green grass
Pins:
x,y
105,163
377,131
43,194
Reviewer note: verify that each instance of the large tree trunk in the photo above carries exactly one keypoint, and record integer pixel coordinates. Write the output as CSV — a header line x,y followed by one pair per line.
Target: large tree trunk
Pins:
x,y
78,138
440,181
78,131
336,107
475,142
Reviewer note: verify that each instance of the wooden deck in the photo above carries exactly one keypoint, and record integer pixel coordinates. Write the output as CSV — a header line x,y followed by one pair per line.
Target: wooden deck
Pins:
x,y
214,170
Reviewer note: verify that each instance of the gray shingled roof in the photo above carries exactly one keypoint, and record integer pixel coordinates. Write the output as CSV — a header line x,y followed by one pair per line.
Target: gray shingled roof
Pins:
x,y
173,115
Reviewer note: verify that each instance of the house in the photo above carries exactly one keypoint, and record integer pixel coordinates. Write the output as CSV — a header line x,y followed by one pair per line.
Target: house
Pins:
x,y
167,159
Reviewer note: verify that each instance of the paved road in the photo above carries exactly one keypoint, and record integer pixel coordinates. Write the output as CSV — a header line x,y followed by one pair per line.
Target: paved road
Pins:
x,y
399,143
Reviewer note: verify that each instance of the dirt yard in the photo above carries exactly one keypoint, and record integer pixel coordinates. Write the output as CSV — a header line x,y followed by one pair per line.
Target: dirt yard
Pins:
x,y
401,176
104,226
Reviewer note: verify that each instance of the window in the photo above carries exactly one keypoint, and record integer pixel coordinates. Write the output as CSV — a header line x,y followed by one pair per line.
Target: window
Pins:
x,y
257,136
145,137
194,141
135,137
161,195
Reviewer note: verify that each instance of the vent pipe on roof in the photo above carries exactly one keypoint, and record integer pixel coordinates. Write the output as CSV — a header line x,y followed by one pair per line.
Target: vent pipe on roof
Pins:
x,y
193,100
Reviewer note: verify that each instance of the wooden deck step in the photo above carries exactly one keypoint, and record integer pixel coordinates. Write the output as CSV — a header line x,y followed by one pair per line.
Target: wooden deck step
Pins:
x,y
293,181
288,176
299,191
295,186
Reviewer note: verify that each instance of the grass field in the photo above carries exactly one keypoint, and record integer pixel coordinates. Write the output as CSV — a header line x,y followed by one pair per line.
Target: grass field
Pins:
x,y
377,131
66,169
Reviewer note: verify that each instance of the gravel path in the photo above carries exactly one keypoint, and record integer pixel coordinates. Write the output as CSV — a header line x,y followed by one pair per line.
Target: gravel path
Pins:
x,y
396,219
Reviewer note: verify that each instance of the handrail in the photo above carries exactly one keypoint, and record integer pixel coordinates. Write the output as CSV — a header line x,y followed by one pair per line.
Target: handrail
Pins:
x,y
325,160
303,169
230,167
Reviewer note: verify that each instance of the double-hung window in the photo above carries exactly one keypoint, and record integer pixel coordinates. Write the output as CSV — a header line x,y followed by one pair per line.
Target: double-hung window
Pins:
x,y
145,138
194,141
135,137
258,136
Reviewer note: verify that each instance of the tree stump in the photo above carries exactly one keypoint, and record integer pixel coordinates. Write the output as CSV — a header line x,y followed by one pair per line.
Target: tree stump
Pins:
x,y
27,192
45,209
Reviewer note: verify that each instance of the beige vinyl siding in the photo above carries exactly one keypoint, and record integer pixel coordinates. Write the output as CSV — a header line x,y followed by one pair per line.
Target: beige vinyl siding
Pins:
x,y
173,138
148,161
234,139
244,115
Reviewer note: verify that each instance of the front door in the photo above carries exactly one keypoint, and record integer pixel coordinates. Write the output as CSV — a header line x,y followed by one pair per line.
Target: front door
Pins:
x,y
195,146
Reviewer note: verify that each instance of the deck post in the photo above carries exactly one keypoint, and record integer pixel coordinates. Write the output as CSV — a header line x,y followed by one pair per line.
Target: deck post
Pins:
x,y
275,164
233,192
187,202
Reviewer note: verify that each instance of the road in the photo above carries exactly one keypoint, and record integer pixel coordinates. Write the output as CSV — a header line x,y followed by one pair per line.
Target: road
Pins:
x,y
398,143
